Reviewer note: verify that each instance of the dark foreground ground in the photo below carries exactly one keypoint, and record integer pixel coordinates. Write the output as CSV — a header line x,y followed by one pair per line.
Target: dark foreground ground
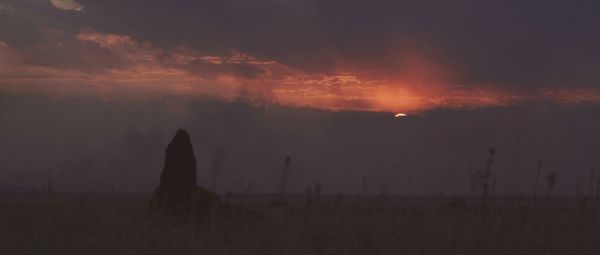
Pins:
x,y
119,224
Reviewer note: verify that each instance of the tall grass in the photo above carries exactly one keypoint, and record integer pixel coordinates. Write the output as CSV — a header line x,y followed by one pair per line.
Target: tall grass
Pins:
x,y
287,166
537,178
84,224
487,179
551,183
218,158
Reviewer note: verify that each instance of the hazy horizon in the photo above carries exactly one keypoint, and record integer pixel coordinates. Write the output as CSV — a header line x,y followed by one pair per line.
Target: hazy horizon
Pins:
x,y
94,144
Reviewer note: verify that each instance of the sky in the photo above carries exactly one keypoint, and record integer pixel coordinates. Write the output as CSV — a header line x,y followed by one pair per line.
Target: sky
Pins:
x,y
319,80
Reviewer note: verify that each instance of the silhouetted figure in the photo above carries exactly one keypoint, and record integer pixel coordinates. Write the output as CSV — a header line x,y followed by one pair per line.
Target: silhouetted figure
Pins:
x,y
177,191
178,194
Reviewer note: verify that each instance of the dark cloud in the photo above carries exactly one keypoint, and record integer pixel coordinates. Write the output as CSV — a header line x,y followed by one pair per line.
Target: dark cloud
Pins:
x,y
64,51
46,36
531,42
18,27
22,21
212,71
270,29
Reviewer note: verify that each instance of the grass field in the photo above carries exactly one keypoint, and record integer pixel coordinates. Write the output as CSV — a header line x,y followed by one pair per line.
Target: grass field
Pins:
x,y
119,224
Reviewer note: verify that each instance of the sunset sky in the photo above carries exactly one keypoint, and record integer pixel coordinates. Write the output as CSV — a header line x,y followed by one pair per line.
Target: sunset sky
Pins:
x,y
315,58
392,56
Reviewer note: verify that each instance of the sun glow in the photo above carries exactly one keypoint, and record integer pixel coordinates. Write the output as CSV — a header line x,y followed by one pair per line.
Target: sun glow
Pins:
x,y
150,71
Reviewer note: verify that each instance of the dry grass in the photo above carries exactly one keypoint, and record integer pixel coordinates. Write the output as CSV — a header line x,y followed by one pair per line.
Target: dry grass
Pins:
x,y
85,224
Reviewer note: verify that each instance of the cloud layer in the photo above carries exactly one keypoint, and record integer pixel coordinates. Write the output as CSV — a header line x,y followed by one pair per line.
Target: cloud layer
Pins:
x,y
390,56
69,5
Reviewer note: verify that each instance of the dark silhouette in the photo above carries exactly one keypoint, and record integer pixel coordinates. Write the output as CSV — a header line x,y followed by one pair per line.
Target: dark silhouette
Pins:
x,y
178,194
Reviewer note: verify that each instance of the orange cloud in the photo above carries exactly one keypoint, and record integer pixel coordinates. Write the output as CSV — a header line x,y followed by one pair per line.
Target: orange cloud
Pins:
x,y
572,95
70,5
421,83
